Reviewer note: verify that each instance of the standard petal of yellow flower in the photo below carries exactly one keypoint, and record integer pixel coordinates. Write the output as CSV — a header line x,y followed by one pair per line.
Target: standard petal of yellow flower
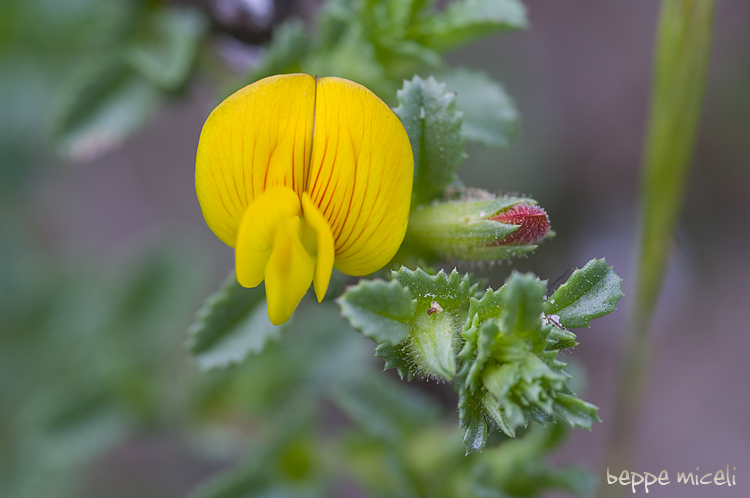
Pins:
x,y
299,175
257,138
289,272
360,175
323,246
257,232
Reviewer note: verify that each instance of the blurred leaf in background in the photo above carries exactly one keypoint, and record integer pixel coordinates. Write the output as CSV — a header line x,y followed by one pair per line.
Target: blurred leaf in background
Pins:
x,y
380,43
85,362
146,52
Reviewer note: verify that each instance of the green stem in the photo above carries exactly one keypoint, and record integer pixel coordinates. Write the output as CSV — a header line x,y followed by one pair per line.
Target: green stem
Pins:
x,y
681,60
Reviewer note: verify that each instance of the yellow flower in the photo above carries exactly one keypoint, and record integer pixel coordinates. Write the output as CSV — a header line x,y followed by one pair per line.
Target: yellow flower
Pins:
x,y
299,175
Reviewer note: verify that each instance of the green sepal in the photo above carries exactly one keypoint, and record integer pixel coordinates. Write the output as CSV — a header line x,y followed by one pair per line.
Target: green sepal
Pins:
x,y
427,109
232,324
591,292
380,310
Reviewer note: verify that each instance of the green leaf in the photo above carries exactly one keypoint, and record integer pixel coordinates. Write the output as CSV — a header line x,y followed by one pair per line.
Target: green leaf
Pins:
x,y
427,110
232,324
591,292
289,46
380,310
487,307
165,47
522,303
509,372
471,418
449,291
397,357
413,319
468,20
487,334
575,411
100,105
490,117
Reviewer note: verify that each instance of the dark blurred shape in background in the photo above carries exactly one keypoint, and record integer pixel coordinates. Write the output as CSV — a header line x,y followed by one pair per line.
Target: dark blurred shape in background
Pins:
x,y
104,255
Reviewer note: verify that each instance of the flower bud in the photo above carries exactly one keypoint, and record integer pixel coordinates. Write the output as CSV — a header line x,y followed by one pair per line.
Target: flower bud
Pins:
x,y
477,229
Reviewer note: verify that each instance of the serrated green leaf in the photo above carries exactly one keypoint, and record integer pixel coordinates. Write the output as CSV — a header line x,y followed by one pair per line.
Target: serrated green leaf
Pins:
x,y
510,372
575,411
559,339
468,20
380,310
427,110
433,344
164,49
487,335
490,116
232,324
449,291
472,419
498,380
591,292
533,368
489,306
498,415
522,303
397,357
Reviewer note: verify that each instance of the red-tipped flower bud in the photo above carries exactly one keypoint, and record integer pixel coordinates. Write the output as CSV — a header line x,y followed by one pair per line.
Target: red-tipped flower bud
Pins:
x,y
476,229
532,221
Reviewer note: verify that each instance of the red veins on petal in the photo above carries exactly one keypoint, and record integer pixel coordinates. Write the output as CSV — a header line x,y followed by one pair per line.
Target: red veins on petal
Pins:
x,y
532,221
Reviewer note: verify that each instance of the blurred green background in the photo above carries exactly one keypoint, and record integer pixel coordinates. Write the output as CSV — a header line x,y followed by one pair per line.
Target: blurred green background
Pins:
x,y
104,255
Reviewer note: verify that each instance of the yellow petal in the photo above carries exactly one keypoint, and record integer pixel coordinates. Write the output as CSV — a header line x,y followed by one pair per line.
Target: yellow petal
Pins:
x,y
257,138
360,175
257,233
289,272
323,246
